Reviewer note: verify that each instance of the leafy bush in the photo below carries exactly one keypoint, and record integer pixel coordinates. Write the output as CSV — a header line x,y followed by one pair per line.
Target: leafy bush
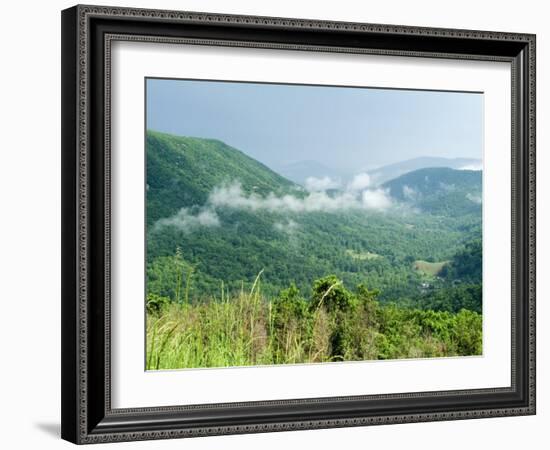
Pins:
x,y
335,324
329,293
290,321
156,303
467,333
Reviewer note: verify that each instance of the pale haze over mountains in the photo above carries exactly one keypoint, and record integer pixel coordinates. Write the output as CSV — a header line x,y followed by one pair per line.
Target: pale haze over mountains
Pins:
x,y
347,129
301,171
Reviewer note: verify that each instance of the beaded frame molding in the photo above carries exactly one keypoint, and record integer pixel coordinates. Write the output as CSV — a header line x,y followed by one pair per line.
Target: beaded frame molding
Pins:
x,y
87,34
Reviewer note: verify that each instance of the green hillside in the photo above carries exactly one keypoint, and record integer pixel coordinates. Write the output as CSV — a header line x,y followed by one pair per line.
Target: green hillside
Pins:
x,y
181,171
392,171
194,258
439,190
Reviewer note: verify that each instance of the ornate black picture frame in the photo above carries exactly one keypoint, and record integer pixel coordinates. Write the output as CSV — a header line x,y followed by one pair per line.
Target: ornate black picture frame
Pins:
x,y
87,34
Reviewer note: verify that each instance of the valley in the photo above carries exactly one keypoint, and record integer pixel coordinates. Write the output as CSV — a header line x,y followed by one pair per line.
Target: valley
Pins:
x,y
430,219
246,267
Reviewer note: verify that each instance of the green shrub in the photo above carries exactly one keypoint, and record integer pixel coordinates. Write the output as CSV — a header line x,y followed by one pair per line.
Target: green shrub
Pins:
x,y
155,303
329,293
334,325
467,332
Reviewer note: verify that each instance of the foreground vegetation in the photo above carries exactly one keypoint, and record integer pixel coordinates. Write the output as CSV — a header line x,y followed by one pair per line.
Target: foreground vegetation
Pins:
x,y
421,259
335,324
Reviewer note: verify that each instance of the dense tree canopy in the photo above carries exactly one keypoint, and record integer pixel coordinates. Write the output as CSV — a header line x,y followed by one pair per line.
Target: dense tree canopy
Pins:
x,y
376,248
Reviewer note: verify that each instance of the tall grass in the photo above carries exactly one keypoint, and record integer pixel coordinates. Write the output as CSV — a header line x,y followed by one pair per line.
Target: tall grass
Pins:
x,y
219,333
248,329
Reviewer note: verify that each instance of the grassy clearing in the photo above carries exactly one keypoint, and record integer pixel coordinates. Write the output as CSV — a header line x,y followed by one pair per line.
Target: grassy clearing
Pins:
x,y
429,268
362,256
334,325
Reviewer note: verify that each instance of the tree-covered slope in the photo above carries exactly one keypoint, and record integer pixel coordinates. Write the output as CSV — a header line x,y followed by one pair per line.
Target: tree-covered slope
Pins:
x,y
182,171
391,171
225,245
439,190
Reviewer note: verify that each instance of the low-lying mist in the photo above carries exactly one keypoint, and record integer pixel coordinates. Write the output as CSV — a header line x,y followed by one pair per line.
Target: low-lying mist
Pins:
x,y
321,195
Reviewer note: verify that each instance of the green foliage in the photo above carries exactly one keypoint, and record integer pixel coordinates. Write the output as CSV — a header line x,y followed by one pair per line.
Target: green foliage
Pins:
x,y
250,329
467,264
290,322
155,303
367,298
449,297
166,276
329,293
440,190
181,172
467,333
460,285
289,304
204,312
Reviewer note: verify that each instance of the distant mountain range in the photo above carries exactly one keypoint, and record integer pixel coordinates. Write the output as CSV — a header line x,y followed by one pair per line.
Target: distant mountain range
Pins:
x,y
439,190
301,170
390,171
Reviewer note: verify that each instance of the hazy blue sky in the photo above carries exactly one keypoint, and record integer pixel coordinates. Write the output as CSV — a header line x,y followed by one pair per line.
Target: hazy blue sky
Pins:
x,y
346,128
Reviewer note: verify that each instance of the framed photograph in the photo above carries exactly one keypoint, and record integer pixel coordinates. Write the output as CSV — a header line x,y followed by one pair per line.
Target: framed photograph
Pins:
x,y
277,224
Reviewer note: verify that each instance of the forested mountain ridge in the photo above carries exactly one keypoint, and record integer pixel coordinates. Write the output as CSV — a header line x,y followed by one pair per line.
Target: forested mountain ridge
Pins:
x,y
260,226
439,190
391,171
182,171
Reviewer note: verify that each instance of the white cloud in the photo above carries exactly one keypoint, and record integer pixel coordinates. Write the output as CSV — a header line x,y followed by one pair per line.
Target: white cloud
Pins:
x,y
409,193
478,166
186,221
474,198
360,182
288,227
320,184
376,199
232,196
447,187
